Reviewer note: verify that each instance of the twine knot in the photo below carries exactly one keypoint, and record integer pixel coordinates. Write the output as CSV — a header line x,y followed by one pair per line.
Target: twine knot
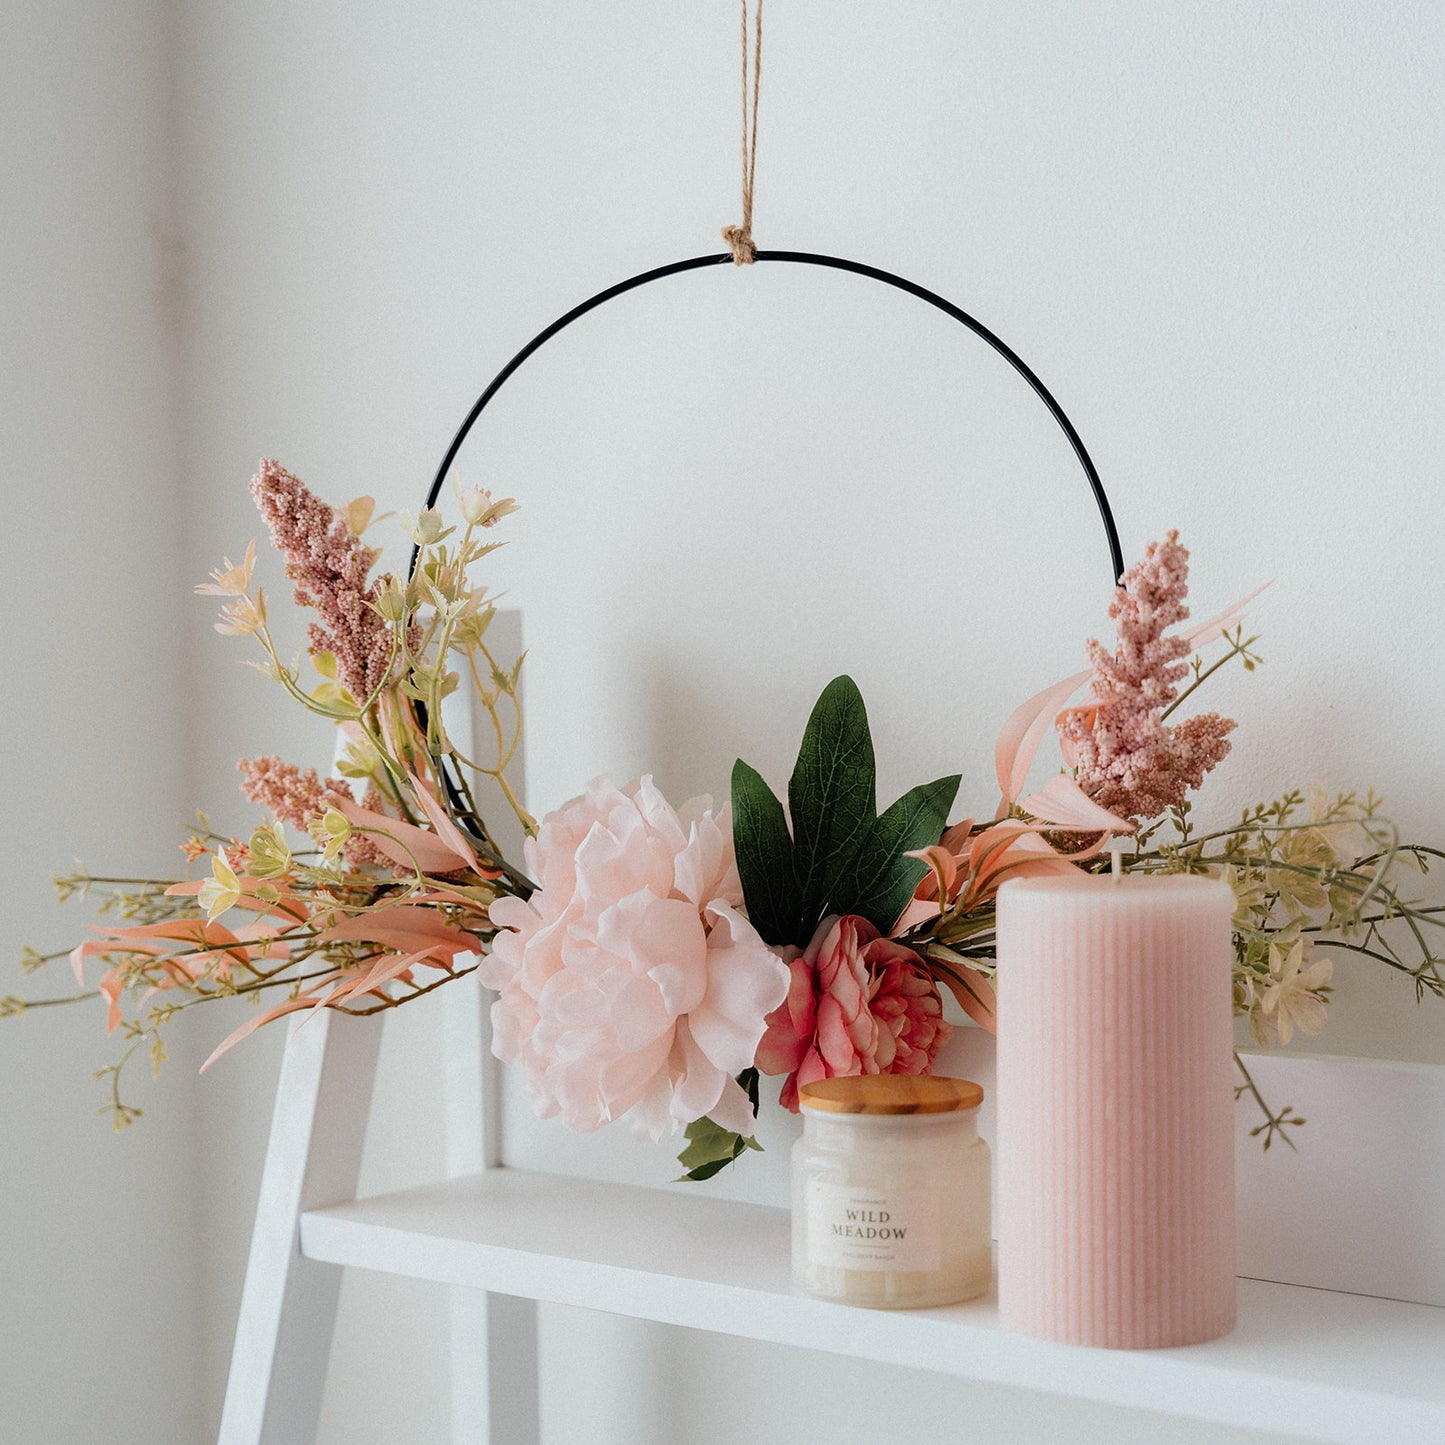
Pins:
x,y
741,244
740,238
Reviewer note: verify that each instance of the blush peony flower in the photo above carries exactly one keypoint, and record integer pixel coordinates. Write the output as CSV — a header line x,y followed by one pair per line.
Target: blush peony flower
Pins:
x,y
857,1003
630,983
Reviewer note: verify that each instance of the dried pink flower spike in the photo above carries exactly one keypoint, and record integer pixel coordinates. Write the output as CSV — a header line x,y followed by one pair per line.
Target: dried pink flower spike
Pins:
x,y
329,565
292,794
1123,754
298,795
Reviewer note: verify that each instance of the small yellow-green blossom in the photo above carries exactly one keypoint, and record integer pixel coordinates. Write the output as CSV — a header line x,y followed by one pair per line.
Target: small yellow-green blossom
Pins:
x,y
1250,896
472,626
424,680
222,890
1305,858
480,510
390,601
332,832
230,580
425,528
243,616
360,760
270,852
1295,995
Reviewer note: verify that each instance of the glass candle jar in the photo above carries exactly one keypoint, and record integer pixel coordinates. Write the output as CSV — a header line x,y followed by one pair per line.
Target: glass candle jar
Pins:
x,y
891,1192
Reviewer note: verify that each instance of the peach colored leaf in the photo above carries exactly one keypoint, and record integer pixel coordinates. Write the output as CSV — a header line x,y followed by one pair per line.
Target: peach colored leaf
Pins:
x,y
404,843
919,910
80,953
186,930
1061,801
393,965
441,820
286,1006
1206,632
110,986
404,928
973,991
943,866
1024,731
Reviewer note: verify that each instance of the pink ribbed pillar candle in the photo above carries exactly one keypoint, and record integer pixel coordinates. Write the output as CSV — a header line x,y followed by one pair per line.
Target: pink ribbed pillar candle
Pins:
x,y
1116,1109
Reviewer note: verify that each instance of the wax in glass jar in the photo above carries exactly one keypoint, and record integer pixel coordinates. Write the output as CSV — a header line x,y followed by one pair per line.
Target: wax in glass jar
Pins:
x,y
891,1192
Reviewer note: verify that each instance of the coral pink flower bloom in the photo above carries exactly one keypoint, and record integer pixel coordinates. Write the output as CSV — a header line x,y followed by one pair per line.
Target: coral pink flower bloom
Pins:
x,y
630,983
857,1003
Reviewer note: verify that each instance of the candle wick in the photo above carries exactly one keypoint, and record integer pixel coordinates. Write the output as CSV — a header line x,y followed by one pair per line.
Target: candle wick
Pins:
x,y
1116,848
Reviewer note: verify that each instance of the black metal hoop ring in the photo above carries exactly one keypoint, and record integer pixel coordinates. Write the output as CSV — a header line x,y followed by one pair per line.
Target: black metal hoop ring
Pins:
x,y
801,258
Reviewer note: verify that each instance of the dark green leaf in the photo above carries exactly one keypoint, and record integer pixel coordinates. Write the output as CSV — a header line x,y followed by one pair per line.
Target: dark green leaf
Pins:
x,y
765,857
881,881
748,1083
710,1148
704,1171
831,796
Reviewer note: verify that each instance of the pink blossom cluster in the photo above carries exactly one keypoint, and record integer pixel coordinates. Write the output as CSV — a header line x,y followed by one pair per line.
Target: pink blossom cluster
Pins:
x,y
1123,754
298,795
857,1003
329,566
294,795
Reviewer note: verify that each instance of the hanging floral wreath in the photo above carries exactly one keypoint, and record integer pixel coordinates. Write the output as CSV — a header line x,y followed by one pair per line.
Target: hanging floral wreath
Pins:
x,y
655,963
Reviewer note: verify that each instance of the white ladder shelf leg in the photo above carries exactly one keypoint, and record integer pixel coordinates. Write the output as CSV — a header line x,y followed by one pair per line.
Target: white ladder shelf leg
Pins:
x,y
288,1304
313,1158
494,1383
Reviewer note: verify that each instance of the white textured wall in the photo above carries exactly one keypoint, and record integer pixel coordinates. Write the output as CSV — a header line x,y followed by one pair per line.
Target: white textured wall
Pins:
x,y
1212,229
100,1307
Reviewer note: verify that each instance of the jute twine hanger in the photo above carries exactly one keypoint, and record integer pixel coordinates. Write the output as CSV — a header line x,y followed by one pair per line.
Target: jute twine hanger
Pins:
x,y
740,238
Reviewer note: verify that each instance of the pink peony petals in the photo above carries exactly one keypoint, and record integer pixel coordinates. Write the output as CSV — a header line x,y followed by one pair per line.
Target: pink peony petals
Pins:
x,y
733,1109
696,1082
630,983
746,982
857,1004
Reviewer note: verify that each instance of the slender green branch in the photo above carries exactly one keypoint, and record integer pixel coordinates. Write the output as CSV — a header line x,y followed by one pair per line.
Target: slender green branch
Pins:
x,y
1237,648
1274,1123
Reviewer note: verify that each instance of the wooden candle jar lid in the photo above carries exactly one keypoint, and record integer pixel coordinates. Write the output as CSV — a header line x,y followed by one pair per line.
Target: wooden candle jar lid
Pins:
x,y
891,1094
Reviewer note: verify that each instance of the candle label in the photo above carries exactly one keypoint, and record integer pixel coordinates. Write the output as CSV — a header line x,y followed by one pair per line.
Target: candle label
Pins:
x,y
855,1228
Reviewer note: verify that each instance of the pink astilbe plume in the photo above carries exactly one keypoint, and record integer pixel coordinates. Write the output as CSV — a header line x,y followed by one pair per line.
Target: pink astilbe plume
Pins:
x,y
297,795
294,795
1123,754
329,566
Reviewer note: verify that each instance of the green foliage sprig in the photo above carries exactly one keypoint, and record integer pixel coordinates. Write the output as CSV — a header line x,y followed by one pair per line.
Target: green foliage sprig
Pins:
x,y
840,855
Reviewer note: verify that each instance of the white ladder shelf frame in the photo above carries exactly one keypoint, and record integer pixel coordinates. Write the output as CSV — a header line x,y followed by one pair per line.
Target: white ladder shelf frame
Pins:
x,y
288,1304
1336,1349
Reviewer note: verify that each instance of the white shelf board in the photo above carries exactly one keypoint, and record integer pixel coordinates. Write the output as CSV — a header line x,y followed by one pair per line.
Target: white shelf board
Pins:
x,y
1312,1363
